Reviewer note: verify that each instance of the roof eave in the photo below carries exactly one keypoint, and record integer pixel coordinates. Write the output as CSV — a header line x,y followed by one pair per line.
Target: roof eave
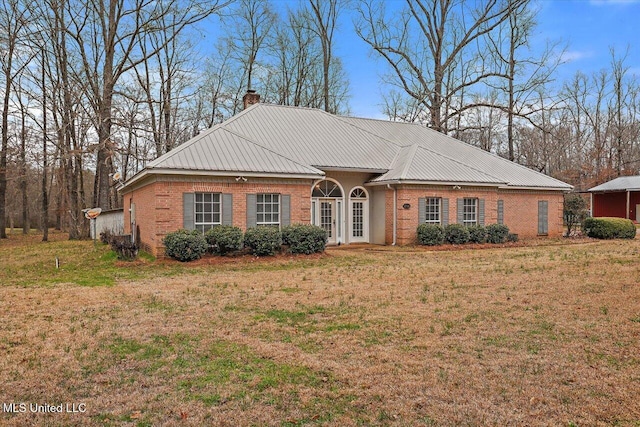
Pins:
x,y
538,188
430,182
194,172
348,169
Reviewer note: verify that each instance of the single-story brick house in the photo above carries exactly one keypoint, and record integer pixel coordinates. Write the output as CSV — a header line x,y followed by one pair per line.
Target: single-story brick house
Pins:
x,y
362,180
618,198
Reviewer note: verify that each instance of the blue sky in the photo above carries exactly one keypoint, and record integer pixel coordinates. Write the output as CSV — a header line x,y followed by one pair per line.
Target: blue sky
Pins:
x,y
588,28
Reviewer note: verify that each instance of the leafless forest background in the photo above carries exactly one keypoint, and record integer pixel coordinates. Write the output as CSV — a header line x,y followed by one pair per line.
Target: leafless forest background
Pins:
x,y
91,88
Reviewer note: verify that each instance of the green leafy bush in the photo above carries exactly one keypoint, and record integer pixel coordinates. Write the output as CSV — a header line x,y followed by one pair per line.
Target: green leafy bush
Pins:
x,y
456,234
430,234
512,237
477,234
185,245
497,233
224,239
609,228
123,246
263,240
304,238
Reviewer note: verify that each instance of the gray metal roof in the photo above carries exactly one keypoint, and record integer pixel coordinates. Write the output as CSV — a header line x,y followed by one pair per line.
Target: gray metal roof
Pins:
x,y
220,149
476,161
273,139
622,183
313,137
418,163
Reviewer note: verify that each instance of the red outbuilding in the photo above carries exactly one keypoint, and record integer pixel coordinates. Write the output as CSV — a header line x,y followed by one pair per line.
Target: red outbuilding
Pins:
x,y
619,198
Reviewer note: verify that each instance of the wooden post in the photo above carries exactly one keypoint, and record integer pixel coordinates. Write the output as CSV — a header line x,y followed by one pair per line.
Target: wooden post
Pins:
x,y
628,204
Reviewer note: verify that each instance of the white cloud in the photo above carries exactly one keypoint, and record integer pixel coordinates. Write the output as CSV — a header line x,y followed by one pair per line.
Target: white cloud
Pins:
x,y
575,55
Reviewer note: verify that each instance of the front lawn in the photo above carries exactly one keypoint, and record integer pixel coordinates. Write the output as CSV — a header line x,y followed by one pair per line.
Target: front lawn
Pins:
x,y
527,335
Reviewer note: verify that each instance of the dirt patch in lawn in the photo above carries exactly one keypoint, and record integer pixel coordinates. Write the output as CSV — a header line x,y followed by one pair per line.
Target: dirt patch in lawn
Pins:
x,y
529,335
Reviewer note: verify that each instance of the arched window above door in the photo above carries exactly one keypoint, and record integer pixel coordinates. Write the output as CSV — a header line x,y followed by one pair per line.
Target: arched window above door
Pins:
x,y
358,193
326,188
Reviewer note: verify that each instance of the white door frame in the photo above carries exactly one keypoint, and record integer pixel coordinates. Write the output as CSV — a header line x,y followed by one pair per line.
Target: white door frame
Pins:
x,y
365,215
338,211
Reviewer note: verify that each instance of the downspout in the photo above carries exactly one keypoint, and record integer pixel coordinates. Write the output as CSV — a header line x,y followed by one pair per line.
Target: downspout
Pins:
x,y
591,205
395,213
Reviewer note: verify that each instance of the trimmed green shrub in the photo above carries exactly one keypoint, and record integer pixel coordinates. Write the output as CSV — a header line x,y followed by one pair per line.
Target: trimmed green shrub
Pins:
x,y
430,234
477,234
185,245
497,233
304,238
609,228
456,234
263,240
512,237
123,247
223,239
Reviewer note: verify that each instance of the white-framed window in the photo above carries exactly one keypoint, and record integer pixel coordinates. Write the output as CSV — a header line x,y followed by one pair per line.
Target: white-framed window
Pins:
x,y
358,198
469,211
268,209
207,211
433,209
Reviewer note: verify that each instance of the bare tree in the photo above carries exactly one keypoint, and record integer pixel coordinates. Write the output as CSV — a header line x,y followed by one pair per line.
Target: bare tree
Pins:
x,y
525,73
14,18
108,37
323,20
428,41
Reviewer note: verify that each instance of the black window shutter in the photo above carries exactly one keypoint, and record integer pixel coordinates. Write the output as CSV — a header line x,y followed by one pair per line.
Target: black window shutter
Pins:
x,y
543,217
460,213
285,210
252,216
500,211
227,209
480,211
445,212
188,208
422,210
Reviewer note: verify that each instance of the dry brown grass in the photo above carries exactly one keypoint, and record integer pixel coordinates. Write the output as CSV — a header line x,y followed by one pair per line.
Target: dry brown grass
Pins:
x,y
530,335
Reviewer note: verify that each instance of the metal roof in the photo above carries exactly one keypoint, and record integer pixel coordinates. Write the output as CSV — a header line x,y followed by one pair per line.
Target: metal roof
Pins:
x,y
475,161
220,149
622,183
313,137
272,139
418,163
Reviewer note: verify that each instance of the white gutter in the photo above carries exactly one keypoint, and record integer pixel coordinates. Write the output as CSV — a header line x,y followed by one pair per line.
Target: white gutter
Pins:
x,y
395,213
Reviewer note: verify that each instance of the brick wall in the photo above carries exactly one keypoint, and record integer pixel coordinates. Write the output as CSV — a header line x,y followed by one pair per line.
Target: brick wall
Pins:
x,y
159,208
408,218
520,209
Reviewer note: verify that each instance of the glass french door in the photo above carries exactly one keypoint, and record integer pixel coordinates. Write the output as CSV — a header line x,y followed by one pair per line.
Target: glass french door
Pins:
x,y
328,219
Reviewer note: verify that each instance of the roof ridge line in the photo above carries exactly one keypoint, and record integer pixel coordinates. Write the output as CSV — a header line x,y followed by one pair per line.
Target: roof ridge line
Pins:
x,y
249,140
169,154
349,123
460,163
413,148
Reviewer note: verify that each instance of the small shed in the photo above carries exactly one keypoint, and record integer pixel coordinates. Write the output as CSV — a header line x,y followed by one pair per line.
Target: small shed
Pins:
x,y
112,221
618,198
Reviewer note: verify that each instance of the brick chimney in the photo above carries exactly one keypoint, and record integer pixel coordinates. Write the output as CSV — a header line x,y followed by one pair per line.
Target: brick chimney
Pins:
x,y
250,98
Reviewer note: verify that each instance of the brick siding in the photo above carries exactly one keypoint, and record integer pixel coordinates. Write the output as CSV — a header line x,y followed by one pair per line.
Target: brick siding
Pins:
x,y
159,208
520,209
